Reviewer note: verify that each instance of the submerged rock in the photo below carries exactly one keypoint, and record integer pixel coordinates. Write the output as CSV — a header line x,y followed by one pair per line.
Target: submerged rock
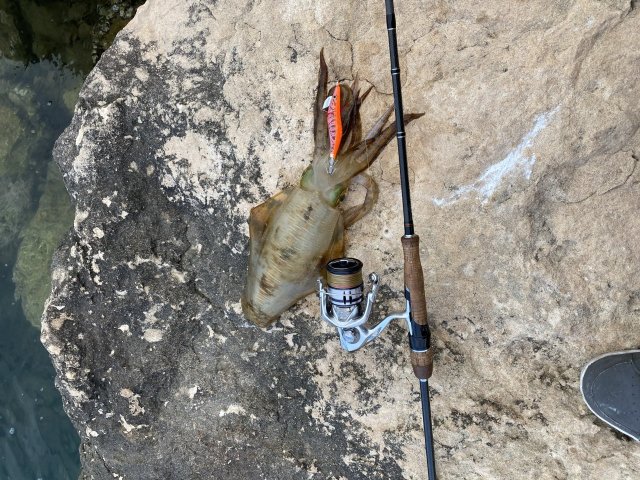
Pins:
x,y
15,202
32,115
13,129
525,188
43,234
16,179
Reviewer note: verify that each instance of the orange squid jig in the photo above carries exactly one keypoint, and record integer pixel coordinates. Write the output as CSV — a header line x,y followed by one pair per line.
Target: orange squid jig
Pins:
x,y
334,122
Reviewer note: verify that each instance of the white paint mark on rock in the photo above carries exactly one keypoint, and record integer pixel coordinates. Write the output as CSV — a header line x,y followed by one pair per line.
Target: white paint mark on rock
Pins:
x,y
515,161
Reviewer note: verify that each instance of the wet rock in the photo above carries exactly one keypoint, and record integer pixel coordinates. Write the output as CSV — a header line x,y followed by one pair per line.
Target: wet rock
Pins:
x,y
73,32
525,188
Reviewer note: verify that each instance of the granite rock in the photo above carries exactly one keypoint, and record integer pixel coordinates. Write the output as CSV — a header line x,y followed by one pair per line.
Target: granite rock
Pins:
x,y
526,193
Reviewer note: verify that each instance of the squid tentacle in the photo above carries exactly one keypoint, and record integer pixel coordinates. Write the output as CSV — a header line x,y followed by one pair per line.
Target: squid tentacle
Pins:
x,y
355,213
321,132
367,151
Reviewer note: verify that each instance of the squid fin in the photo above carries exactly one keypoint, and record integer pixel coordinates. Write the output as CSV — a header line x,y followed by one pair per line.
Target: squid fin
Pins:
x,y
259,219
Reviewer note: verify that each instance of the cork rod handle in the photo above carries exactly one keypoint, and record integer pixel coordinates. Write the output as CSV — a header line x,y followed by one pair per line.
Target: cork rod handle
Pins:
x,y
421,358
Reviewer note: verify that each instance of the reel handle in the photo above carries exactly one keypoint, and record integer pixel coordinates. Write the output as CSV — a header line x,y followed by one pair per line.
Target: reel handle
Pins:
x,y
419,336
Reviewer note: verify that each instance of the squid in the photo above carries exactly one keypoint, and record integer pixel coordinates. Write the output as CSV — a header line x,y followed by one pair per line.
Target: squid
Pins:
x,y
293,234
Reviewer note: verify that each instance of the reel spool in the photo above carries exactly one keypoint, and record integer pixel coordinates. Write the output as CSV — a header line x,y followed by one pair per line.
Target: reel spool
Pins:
x,y
344,285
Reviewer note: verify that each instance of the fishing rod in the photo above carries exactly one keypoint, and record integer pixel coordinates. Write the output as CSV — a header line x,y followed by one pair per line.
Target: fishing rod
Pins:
x,y
419,334
343,303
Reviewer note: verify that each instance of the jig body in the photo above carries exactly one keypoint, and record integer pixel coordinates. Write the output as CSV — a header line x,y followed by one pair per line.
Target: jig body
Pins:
x,y
334,123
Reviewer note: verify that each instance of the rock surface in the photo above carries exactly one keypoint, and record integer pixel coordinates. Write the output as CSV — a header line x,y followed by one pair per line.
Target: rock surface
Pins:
x,y
526,195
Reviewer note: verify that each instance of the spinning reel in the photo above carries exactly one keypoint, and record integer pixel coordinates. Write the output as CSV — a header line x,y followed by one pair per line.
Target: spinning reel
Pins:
x,y
343,304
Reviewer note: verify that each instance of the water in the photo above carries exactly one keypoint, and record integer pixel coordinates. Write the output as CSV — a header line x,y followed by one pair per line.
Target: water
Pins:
x,y
47,47
36,438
